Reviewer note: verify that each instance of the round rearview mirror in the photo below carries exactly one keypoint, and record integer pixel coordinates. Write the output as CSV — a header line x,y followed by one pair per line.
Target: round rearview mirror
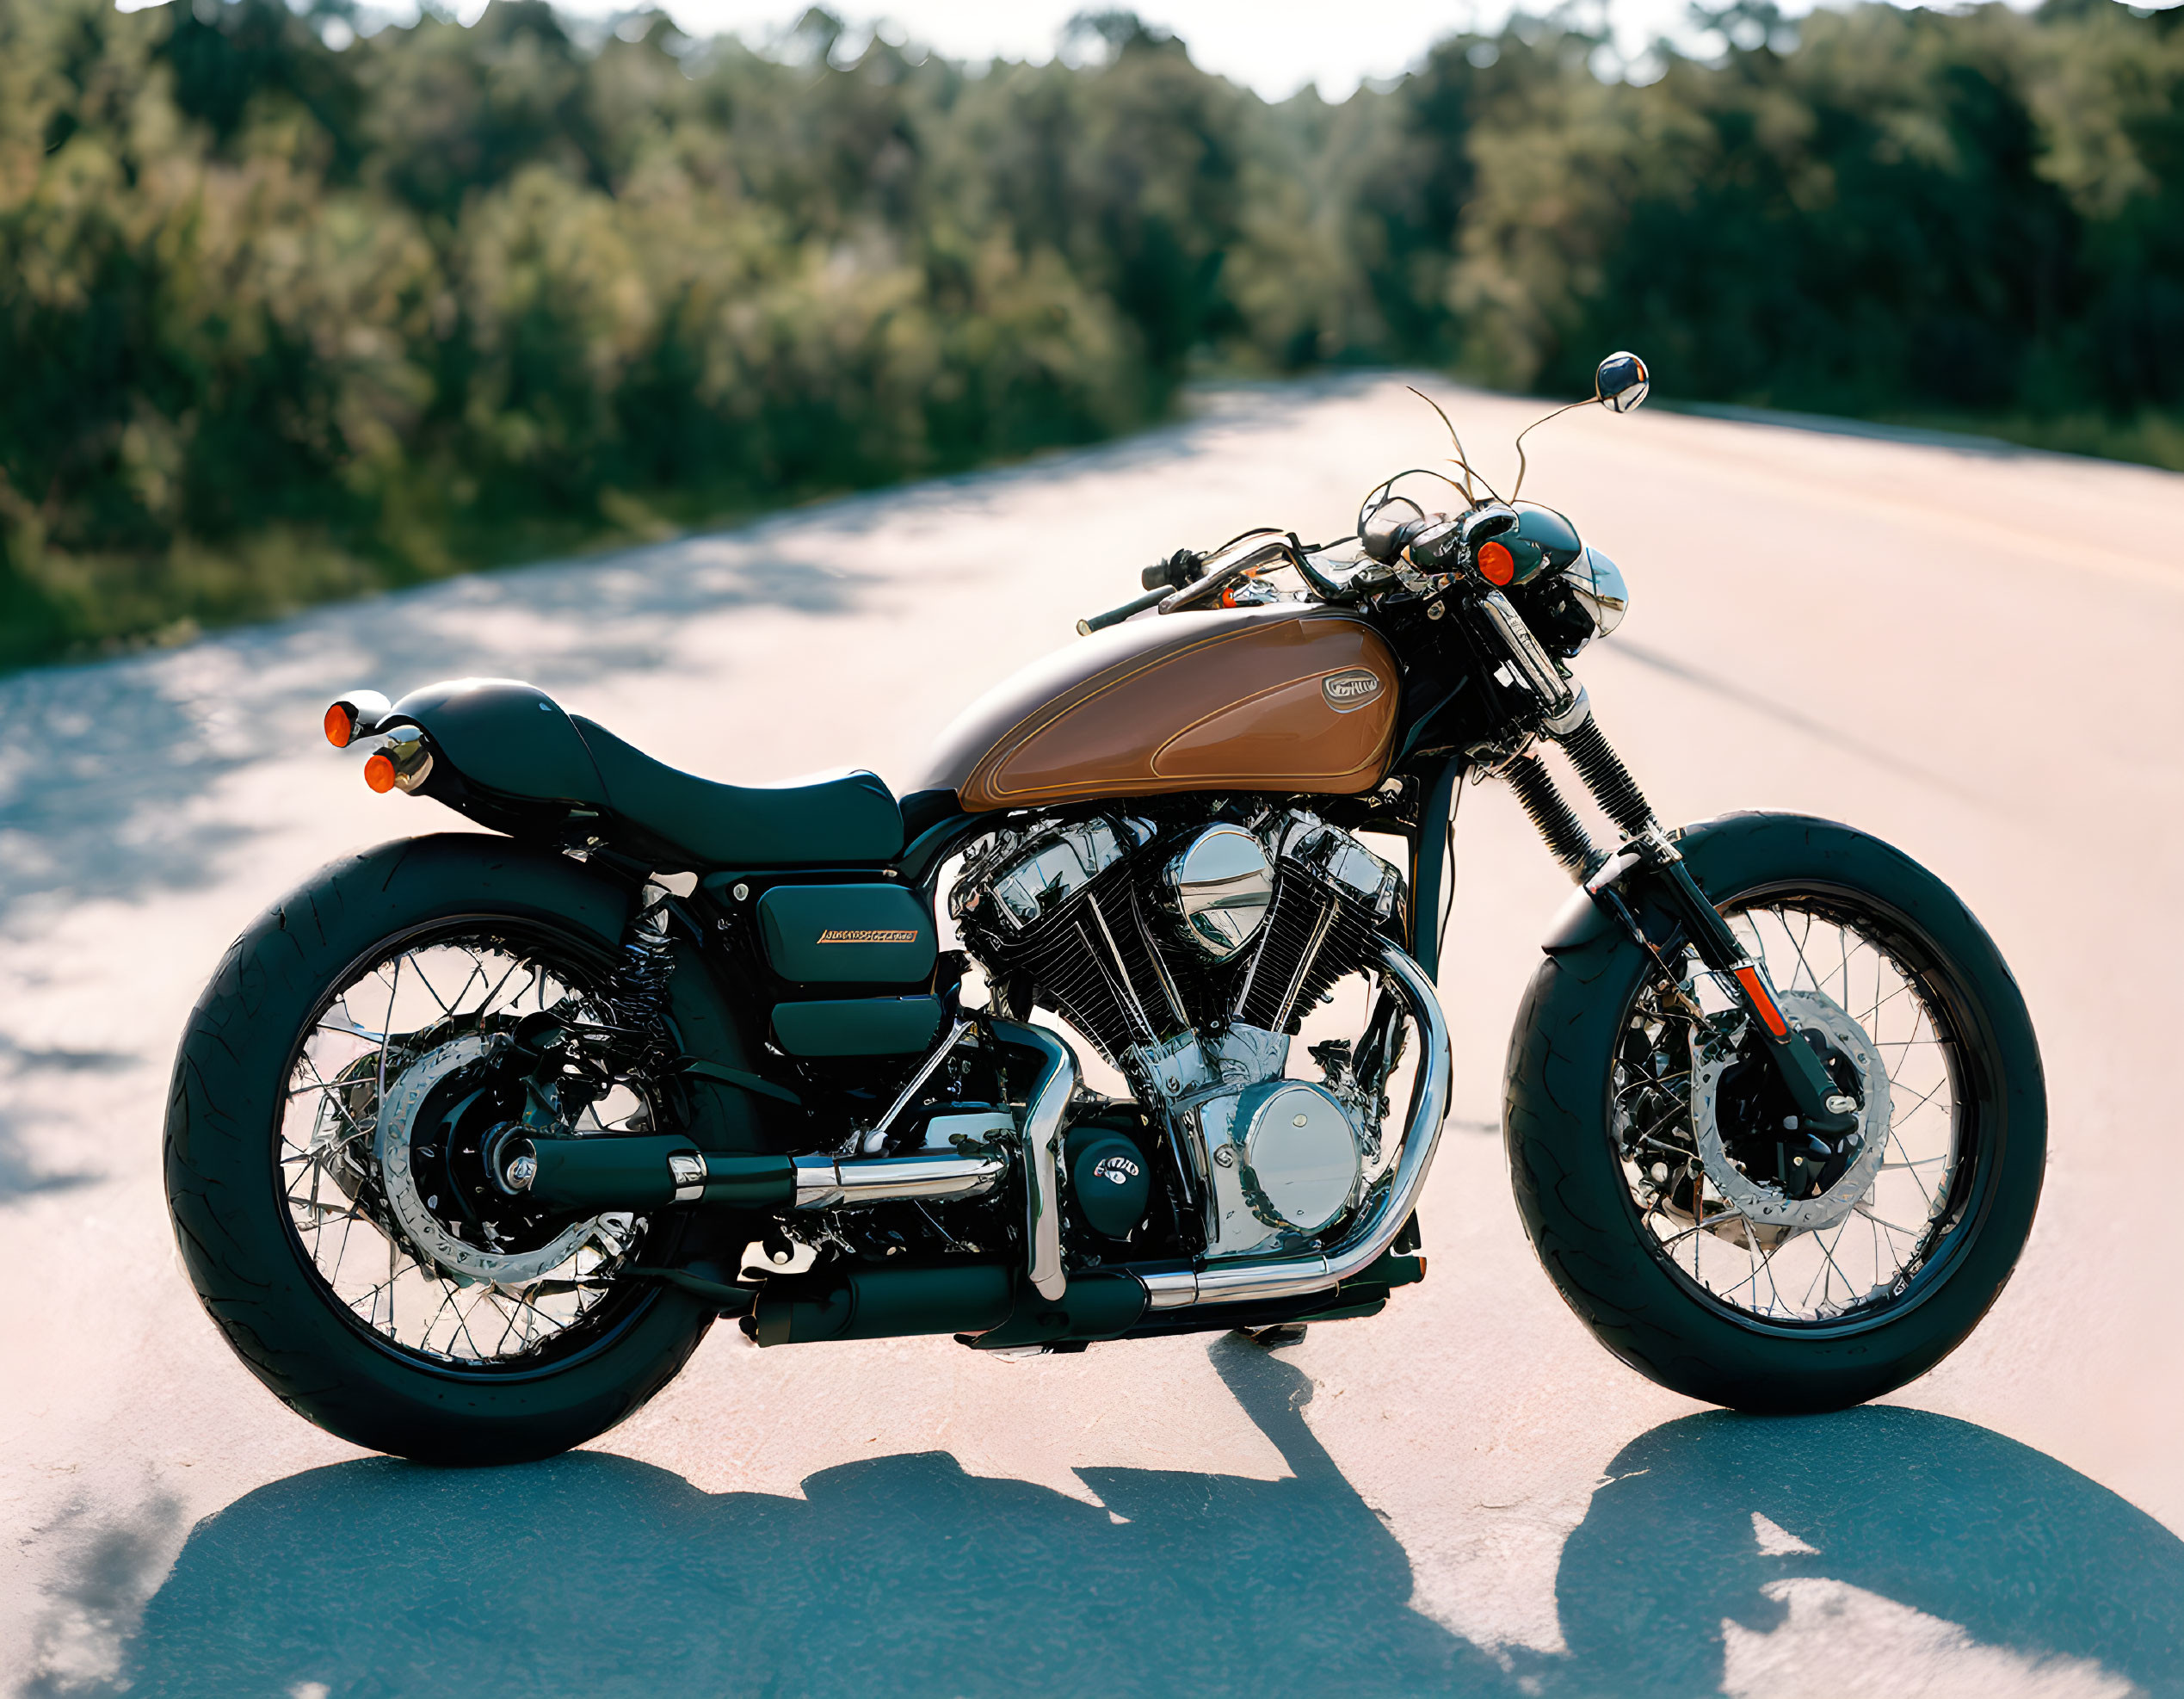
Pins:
x,y
1622,382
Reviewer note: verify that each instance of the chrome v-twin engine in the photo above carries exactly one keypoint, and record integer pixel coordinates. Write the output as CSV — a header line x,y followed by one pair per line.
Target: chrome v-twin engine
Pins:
x,y
1189,958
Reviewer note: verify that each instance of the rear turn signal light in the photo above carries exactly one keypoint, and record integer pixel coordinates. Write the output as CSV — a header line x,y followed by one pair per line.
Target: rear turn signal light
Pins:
x,y
1496,564
353,713
402,765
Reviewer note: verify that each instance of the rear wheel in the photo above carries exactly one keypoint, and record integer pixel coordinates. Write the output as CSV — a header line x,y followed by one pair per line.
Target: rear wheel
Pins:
x,y
399,1085
335,1106
1706,1238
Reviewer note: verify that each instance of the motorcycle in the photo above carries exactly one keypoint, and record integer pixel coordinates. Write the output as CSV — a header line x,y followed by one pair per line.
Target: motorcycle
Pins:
x,y
472,1136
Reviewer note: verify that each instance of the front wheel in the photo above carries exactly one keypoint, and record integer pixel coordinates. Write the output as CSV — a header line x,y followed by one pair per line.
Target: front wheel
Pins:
x,y
1660,1172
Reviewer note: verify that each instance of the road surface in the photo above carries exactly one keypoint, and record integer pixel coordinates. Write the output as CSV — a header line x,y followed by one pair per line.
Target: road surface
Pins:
x,y
1973,653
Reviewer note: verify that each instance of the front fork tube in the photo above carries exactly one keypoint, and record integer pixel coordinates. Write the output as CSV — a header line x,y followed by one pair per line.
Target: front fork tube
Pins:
x,y
1819,1104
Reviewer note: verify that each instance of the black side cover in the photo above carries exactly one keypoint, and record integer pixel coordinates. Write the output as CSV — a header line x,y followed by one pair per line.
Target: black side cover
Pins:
x,y
847,934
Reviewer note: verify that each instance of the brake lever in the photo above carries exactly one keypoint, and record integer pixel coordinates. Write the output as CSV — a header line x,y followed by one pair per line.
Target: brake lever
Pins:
x,y
1327,589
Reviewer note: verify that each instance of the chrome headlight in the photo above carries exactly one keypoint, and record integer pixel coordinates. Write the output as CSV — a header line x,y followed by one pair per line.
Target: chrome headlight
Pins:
x,y
1597,583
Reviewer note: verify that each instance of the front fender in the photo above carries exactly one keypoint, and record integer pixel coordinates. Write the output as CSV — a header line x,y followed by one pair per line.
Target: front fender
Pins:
x,y
1720,854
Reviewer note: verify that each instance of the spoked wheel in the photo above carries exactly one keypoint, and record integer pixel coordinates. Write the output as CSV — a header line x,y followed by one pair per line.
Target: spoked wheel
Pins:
x,y
1705,1237
347,1081
1766,1220
399,1086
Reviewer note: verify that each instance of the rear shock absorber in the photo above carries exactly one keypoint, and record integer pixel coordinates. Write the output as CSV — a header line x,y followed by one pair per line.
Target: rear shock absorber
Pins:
x,y
1567,839
641,994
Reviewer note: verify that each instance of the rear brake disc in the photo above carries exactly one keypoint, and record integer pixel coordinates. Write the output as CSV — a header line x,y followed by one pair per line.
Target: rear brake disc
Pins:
x,y
419,1223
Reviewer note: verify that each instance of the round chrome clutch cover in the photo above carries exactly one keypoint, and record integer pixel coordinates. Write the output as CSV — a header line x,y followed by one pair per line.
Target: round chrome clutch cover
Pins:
x,y
424,1231
1767,1204
1300,1156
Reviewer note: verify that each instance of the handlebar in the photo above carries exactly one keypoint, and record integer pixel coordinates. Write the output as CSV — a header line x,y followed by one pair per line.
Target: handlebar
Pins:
x,y
1186,579
1115,616
1247,556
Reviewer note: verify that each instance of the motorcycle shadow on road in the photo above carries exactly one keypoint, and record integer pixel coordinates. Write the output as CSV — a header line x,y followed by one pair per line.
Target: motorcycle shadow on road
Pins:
x,y
903,1575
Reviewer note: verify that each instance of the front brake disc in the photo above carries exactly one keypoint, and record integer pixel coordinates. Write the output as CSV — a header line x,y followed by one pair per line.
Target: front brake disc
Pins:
x,y
1762,1201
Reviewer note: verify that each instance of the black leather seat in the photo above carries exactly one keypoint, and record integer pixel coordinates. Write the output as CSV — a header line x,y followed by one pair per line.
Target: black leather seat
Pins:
x,y
822,822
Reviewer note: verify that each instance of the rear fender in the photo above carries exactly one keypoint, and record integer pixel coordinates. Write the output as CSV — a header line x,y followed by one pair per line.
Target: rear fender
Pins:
x,y
503,735
503,752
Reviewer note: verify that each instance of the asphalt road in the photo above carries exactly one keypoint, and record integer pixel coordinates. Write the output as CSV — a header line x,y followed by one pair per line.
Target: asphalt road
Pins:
x,y
1973,654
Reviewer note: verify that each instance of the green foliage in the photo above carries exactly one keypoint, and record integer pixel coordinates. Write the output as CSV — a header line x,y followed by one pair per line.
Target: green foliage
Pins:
x,y
279,321
1967,212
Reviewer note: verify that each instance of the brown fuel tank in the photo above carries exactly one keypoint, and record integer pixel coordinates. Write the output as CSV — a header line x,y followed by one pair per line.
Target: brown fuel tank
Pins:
x,y
1276,698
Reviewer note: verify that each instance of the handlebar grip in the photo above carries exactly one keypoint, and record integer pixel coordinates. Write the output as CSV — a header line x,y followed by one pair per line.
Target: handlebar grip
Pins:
x,y
1115,616
1172,573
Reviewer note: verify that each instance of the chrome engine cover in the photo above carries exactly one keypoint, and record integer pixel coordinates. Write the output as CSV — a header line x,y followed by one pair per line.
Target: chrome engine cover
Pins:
x,y
1289,1169
1187,954
1023,877
1275,1161
1217,890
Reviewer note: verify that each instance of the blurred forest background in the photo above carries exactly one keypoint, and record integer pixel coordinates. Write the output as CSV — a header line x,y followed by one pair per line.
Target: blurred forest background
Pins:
x,y
288,313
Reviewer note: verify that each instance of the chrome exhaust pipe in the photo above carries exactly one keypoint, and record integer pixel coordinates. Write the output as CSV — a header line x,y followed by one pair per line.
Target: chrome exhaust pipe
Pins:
x,y
640,1172
824,1182
646,1171
1042,1144
1268,1279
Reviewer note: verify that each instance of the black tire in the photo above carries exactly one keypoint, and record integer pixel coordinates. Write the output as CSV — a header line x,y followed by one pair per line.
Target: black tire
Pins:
x,y
1585,1224
225,1196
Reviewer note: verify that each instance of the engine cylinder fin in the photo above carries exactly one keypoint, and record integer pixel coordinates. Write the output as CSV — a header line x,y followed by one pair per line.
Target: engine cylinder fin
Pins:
x,y
1098,955
1271,931
1294,989
1127,992
1312,939
1177,1007
1089,956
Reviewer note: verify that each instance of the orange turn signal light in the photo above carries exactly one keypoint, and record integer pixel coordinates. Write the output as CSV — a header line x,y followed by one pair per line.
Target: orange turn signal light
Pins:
x,y
1496,564
379,772
340,728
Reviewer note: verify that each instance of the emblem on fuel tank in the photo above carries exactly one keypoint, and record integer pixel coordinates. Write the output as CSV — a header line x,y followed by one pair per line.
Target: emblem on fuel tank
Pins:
x,y
1353,689
869,935
1117,1171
